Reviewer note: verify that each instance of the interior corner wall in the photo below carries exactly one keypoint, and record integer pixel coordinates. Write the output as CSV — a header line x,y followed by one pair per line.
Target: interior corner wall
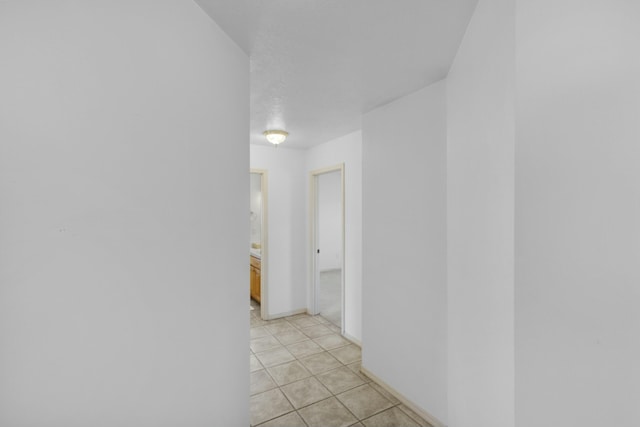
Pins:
x,y
348,150
480,218
123,200
404,247
577,216
286,227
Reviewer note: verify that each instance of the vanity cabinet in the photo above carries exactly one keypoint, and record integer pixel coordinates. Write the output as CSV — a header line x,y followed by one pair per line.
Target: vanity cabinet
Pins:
x,y
254,272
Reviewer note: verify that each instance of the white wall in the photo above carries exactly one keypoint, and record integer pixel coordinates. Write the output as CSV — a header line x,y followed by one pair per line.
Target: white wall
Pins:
x,y
329,192
480,216
578,213
348,150
123,257
287,232
404,247
255,205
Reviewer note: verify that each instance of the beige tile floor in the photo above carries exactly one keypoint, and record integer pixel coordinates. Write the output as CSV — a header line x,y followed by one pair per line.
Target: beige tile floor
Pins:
x,y
305,374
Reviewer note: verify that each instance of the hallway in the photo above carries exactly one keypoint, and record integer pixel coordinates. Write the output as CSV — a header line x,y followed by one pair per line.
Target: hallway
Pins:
x,y
303,373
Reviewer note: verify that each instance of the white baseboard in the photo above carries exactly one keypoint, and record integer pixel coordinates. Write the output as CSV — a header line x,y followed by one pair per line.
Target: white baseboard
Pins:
x,y
286,314
353,339
415,408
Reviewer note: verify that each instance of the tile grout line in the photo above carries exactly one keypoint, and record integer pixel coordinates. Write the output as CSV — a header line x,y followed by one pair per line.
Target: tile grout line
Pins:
x,y
295,328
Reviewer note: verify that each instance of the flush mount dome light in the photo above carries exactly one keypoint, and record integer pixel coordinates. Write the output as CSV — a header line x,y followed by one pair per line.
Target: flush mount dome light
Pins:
x,y
275,136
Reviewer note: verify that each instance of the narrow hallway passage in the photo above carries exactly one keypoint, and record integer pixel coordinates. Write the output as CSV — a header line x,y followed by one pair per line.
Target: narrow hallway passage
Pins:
x,y
304,373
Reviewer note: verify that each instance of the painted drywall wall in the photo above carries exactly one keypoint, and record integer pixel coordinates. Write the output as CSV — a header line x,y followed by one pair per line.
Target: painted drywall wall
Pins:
x,y
347,150
329,204
577,213
480,216
123,159
404,247
287,233
255,206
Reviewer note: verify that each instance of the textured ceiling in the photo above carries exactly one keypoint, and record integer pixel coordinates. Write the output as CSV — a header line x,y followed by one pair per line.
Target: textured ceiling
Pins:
x,y
318,65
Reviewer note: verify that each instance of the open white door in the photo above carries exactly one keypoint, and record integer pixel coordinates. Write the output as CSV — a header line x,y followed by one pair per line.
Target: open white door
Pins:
x,y
328,243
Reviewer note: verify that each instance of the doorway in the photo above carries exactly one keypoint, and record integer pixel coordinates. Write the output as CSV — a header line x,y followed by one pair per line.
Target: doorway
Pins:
x,y
258,238
327,232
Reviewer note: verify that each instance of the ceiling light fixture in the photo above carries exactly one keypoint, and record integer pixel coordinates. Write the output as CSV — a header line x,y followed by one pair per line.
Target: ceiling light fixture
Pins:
x,y
275,136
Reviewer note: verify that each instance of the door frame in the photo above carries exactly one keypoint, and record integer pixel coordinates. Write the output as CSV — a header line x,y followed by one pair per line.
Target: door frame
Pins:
x,y
264,239
313,238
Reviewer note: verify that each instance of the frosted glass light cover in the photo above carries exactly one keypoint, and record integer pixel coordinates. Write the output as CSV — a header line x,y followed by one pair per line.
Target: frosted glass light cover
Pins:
x,y
275,136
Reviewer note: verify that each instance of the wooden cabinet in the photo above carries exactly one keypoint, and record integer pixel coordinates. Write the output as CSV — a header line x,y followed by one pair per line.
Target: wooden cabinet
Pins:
x,y
254,278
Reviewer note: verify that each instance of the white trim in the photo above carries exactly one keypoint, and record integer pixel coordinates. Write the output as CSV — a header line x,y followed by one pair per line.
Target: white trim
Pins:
x,y
415,408
353,339
286,314
313,175
264,244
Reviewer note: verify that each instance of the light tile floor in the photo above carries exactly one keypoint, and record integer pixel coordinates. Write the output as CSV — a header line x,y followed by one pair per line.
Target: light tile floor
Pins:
x,y
305,374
